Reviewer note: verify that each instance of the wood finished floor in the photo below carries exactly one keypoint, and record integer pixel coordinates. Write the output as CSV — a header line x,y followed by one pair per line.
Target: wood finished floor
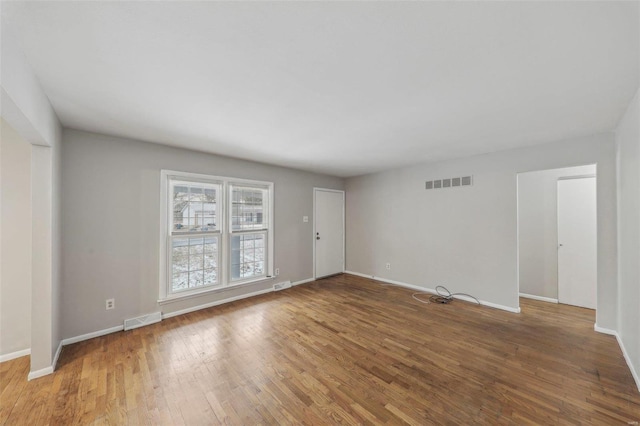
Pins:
x,y
340,350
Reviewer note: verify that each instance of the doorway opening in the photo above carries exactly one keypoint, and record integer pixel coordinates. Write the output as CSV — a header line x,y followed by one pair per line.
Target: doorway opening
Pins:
x,y
557,235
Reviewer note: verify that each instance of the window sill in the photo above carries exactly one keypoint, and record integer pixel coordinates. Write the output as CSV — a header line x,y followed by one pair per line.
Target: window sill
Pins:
x,y
179,297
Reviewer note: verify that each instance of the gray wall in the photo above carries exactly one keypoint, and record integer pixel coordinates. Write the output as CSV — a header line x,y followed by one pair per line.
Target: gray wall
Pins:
x,y
111,225
15,231
628,150
465,238
538,229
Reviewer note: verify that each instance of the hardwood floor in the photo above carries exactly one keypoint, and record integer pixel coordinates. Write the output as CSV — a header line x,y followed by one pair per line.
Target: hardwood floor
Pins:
x,y
340,350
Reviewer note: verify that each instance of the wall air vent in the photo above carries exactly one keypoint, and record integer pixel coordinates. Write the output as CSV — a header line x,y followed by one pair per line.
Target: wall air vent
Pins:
x,y
449,182
131,323
281,286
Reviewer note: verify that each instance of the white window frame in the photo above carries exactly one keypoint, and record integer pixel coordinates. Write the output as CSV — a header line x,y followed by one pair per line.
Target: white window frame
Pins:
x,y
223,232
264,230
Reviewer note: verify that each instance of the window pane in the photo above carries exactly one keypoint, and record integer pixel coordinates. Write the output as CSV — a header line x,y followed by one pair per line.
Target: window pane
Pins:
x,y
196,279
211,245
248,208
210,276
194,262
180,255
196,246
196,194
180,203
211,261
246,262
194,207
180,281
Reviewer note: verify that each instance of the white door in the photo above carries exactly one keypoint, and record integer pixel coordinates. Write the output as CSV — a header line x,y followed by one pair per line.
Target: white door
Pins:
x,y
328,232
577,242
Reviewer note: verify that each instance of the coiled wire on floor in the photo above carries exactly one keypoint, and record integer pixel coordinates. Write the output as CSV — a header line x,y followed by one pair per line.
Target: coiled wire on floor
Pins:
x,y
443,296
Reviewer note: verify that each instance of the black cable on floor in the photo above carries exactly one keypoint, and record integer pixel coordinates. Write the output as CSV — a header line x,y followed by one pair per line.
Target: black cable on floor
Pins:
x,y
443,296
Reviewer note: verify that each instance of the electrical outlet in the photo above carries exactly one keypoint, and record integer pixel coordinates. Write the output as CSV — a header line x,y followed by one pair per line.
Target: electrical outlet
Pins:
x,y
110,304
388,265
305,219
277,271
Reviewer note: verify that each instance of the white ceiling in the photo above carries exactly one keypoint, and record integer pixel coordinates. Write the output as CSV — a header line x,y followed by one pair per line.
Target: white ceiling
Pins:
x,y
344,88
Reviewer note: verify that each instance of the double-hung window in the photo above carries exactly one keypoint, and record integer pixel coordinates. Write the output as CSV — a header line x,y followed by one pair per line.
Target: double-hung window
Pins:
x,y
216,232
249,230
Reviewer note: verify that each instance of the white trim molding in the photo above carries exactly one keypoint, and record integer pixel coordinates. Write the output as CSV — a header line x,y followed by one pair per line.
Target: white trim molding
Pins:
x,y
432,291
56,356
308,280
115,329
540,298
625,354
47,370
215,303
603,330
88,336
14,355
40,373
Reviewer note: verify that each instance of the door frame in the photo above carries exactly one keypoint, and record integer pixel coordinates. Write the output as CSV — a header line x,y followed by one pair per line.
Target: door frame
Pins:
x,y
563,178
518,224
313,232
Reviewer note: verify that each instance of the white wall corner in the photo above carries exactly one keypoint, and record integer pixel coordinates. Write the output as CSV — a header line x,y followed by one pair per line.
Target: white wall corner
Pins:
x,y
47,370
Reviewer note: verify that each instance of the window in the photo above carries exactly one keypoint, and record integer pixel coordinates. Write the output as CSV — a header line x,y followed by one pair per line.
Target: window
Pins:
x,y
248,231
216,232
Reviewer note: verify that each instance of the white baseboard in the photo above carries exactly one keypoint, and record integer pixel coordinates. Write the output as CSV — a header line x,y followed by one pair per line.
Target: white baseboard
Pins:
x,y
40,373
308,280
215,303
88,336
47,370
627,358
115,329
603,330
540,298
14,355
56,356
432,291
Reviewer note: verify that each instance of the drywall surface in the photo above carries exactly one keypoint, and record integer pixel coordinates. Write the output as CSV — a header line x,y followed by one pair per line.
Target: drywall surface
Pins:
x,y
42,285
15,264
24,104
538,229
56,255
628,150
466,238
111,225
